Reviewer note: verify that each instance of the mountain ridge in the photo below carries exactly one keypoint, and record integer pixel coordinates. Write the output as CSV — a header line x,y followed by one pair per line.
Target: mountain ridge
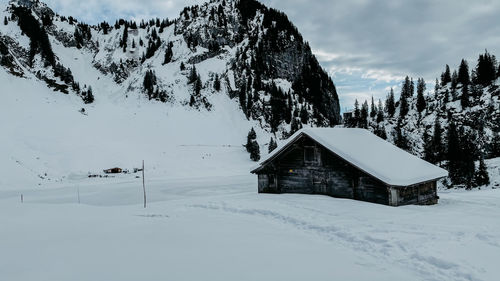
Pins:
x,y
243,49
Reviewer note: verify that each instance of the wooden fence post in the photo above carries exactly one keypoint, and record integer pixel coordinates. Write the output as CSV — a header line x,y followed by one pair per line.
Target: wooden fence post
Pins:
x,y
143,184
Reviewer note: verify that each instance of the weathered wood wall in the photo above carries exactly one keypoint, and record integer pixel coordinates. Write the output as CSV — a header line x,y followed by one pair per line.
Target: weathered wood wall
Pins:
x,y
423,194
327,174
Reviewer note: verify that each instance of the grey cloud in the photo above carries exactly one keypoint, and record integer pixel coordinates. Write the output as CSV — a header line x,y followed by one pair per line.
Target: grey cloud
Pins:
x,y
401,37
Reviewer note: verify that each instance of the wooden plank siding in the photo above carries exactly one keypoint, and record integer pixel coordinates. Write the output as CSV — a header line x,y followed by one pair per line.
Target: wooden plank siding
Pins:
x,y
308,168
423,194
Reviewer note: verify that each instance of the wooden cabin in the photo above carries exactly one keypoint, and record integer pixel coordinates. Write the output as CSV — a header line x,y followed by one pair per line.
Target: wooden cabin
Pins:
x,y
113,171
348,163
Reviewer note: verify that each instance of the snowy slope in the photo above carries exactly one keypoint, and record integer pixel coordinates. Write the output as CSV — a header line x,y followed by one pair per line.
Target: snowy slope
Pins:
x,y
218,228
47,139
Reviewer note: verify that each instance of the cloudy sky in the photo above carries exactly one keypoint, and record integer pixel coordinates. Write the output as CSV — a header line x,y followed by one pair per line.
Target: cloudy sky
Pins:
x,y
367,46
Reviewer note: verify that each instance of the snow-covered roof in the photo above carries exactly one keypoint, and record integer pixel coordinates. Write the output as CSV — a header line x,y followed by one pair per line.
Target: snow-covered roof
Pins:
x,y
371,154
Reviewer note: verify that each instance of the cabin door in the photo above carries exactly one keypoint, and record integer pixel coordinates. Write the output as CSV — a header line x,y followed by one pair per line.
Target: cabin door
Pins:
x,y
272,182
319,182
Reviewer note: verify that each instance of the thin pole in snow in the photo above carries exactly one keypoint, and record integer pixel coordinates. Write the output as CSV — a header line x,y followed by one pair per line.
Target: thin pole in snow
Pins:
x,y
143,184
22,199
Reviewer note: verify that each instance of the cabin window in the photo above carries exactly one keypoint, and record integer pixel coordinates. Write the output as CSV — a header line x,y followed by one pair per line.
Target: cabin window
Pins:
x,y
310,154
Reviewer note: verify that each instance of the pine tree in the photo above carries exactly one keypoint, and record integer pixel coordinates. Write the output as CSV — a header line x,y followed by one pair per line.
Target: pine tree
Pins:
x,y
105,27
357,112
438,149
252,146
460,156
192,101
217,82
467,165
168,53
380,132
279,106
125,38
294,126
436,88
495,146
289,109
486,69
453,154
149,82
78,38
406,88
380,112
250,137
193,75
373,109
198,85
481,176
390,104
463,73
363,121
249,105
411,93
406,92
304,115
88,96
46,20
464,98
272,145
446,98
429,155
421,104
446,76
255,151
5,21
403,107
454,80
400,139
242,97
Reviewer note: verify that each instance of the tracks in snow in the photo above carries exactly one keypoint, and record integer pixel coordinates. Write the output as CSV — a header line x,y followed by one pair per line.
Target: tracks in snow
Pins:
x,y
374,240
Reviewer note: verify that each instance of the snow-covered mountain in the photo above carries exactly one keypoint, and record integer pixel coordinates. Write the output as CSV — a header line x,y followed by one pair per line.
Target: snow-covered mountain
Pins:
x,y
237,48
181,94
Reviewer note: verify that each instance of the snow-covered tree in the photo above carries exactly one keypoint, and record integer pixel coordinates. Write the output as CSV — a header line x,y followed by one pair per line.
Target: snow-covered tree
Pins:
x,y
446,76
390,104
463,73
380,112
373,109
168,53
252,146
217,82
363,120
421,104
481,177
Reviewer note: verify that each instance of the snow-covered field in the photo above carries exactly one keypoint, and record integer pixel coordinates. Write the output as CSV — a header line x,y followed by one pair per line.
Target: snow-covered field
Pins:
x,y
219,228
204,220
